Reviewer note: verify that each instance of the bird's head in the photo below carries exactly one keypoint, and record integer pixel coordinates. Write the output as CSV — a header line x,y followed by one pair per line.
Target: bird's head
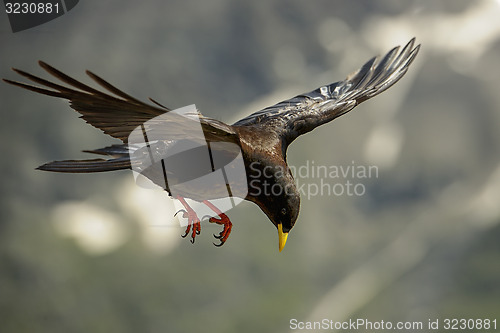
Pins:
x,y
285,219
283,211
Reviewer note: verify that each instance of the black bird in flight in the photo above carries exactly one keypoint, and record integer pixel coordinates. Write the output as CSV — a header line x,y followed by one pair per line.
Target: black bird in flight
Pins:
x,y
262,137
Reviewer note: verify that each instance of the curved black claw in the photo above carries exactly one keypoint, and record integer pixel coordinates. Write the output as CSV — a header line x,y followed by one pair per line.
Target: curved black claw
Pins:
x,y
219,236
182,210
184,236
192,240
198,231
219,245
209,216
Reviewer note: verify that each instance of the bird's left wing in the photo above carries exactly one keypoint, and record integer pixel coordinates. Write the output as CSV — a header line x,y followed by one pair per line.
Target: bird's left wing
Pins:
x,y
305,112
118,114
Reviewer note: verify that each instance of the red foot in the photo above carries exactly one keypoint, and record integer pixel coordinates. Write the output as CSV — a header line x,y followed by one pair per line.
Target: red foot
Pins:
x,y
223,220
224,234
193,220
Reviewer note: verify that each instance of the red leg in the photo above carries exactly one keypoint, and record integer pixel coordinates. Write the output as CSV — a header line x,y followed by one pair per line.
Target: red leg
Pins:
x,y
223,220
193,219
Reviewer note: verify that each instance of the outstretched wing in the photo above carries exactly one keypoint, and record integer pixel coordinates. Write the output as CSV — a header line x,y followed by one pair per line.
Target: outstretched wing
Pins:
x,y
117,114
305,112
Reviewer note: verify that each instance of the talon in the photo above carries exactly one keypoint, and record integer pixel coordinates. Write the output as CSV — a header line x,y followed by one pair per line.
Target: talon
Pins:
x,y
219,245
183,213
209,216
224,234
193,220
187,231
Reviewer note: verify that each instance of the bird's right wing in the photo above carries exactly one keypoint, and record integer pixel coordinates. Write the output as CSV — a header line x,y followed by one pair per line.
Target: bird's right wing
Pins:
x,y
305,112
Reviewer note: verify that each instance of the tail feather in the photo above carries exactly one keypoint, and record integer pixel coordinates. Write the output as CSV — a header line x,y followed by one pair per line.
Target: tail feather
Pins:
x,y
87,166
114,150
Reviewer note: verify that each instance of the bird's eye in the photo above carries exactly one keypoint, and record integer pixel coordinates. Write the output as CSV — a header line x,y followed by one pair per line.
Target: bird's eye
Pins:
x,y
283,211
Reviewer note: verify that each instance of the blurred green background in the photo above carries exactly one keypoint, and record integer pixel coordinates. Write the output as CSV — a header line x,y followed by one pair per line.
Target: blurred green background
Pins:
x,y
96,253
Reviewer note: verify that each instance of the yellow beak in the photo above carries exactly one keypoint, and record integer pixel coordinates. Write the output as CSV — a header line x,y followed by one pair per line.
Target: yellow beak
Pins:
x,y
282,237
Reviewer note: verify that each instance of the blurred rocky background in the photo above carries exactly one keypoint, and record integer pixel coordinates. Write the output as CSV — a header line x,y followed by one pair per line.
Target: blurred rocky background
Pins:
x,y
96,253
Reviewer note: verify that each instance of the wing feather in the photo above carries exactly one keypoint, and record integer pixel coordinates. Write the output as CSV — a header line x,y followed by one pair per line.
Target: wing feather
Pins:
x,y
303,113
117,114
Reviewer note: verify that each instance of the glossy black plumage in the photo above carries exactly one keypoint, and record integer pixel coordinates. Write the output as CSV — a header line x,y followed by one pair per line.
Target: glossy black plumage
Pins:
x,y
262,136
